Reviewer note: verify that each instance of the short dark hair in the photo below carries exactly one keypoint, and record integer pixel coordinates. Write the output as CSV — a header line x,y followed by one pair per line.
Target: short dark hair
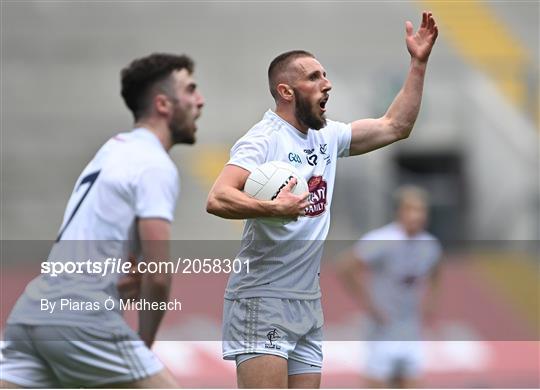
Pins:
x,y
280,64
142,74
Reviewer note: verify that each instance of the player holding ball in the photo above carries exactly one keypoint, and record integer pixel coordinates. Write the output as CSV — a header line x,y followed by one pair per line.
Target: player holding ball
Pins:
x,y
272,320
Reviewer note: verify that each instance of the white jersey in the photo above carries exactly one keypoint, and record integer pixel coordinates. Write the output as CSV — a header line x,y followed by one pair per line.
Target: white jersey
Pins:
x,y
400,266
284,261
130,177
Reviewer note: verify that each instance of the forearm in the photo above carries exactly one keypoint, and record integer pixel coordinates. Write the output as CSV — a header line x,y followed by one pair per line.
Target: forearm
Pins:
x,y
403,111
232,203
352,274
153,289
433,291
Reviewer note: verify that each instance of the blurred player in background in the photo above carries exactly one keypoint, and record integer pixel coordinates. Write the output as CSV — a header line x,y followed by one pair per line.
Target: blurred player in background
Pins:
x,y
387,271
272,321
122,204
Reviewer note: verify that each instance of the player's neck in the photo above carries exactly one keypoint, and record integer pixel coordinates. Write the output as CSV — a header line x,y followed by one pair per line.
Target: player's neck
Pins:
x,y
287,115
410,233
159,130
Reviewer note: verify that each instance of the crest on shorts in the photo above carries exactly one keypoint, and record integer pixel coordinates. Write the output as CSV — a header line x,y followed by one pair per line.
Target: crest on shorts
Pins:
x,y
272,336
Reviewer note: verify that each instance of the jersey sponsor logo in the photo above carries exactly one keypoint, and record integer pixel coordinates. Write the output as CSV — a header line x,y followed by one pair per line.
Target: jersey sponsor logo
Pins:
x,y
317,196
312,160
293,157
309,151
323,148
272,336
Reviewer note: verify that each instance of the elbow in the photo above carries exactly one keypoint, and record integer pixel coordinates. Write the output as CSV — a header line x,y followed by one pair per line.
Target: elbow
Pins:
x,y
401,129
213,204
218,203
404,133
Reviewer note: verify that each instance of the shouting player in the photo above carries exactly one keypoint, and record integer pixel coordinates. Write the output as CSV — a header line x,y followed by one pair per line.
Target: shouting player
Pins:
x,y
122,205
272,320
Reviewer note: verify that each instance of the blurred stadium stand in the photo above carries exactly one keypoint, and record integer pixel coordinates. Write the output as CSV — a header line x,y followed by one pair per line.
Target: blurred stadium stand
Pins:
x,y
474,147
475,139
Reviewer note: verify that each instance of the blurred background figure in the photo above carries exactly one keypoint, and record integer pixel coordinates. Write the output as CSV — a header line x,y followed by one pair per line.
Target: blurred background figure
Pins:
x,y
386,271
474,149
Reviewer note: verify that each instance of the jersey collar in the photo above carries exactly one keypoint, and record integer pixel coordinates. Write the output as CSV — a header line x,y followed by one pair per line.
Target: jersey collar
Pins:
x,y
145,134
398,227
291,128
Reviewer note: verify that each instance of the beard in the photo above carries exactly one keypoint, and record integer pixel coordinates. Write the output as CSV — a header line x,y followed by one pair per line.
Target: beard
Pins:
x,y
182,127
304,112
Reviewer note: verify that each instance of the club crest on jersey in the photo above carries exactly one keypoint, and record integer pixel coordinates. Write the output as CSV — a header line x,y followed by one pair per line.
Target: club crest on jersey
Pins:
x,y
317,196
323,148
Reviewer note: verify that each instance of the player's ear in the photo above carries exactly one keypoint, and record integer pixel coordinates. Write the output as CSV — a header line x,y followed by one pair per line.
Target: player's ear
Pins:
x,y
285,92
161,104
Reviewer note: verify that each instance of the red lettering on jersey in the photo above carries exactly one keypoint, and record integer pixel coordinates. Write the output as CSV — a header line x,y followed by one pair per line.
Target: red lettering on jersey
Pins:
x,y
317,196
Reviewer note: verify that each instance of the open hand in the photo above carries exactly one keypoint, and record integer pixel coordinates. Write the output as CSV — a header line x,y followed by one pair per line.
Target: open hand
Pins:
x,y
420,44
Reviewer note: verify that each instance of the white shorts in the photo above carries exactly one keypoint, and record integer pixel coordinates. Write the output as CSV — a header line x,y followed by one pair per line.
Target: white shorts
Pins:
x,y
63,356
289,328
389,359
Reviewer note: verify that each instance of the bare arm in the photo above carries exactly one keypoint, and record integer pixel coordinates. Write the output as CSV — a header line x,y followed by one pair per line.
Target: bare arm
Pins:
x,y
432,293
352,272
398,121
227,200
155,287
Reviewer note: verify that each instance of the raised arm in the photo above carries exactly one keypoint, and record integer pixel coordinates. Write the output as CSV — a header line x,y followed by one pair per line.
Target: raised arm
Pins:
x,y
227,200
398,121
